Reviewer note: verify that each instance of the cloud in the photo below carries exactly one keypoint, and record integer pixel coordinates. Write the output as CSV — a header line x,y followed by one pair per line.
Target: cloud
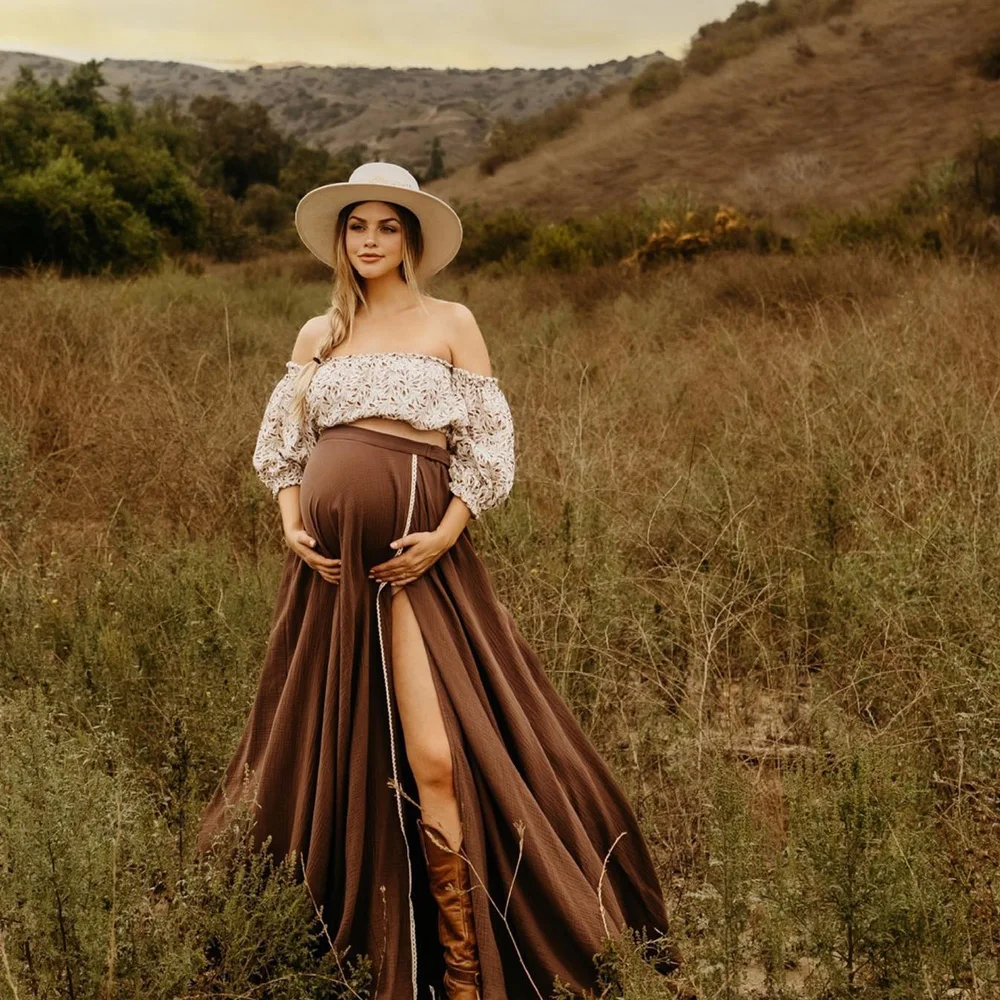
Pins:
x,y
437,33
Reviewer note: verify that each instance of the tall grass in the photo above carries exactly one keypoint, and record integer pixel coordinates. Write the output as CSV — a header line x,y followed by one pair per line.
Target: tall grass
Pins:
x,y
755,537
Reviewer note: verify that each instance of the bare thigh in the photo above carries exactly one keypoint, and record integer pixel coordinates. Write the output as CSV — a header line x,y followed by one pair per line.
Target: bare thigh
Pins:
x,y
427,747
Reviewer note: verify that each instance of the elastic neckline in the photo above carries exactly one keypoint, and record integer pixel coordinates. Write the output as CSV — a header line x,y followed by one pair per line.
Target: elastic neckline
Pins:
x,y
401,354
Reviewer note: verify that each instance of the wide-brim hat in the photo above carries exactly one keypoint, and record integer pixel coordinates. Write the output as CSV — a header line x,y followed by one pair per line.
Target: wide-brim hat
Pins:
x,y
316,214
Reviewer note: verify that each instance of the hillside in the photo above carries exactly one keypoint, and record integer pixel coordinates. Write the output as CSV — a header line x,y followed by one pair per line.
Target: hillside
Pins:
x,y
396,112
887,88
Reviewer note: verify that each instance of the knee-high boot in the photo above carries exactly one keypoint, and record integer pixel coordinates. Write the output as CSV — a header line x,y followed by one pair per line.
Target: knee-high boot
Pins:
x,y
450,886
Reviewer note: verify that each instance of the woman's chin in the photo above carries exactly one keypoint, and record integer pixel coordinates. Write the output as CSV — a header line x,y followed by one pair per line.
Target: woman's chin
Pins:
x,y
373,270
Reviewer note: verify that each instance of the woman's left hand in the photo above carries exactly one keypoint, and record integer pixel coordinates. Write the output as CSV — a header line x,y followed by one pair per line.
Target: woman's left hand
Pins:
x,y
423,549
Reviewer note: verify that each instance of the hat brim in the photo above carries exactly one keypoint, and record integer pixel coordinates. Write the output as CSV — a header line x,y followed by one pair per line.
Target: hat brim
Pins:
x,y
317,211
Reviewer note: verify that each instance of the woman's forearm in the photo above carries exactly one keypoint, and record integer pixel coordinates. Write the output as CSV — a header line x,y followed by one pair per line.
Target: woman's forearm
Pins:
x,y
456,517
288,503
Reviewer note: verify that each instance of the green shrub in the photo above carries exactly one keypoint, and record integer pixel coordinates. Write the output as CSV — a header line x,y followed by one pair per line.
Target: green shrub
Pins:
x,y
151,181
934,188
94,901
612,234
510,139
507,239
306,168
750,24
266,208
983,161
253,924
62,215
705,58
871,885
724,897
502,236
956,202
224,233
884,226
79,839
970,180
658,79
557,247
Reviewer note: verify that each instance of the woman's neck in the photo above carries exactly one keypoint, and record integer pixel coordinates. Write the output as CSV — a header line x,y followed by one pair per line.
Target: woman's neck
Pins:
x,y
386,296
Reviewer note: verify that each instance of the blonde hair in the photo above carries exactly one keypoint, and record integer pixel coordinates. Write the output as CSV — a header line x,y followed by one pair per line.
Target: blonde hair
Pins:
x,y
348,292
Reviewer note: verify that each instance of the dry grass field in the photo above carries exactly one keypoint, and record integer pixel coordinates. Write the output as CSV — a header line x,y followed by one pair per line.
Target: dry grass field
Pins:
x,y
888,88
755,536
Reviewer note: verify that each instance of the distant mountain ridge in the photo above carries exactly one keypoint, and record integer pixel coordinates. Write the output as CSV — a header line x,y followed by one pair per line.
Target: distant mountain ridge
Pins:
x,y
397,112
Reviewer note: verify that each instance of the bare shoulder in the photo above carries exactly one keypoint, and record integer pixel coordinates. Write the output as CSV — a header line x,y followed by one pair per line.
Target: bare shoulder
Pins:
x,y
465,339
310,337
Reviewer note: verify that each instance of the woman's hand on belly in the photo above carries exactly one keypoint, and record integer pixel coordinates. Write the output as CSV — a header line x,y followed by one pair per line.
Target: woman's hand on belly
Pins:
x,y
422,550
301,543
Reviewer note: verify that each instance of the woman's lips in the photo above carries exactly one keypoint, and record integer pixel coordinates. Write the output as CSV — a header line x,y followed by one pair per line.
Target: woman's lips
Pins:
x,y
370,256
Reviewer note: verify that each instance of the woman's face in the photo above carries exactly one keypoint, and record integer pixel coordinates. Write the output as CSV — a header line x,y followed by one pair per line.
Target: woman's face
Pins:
x,y
374,239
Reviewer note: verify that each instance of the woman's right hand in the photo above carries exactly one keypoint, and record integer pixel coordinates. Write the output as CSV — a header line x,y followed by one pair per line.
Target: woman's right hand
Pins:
x,y
303,545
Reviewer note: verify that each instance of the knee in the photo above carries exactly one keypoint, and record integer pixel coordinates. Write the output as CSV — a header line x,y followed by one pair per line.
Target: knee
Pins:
x,y
432,769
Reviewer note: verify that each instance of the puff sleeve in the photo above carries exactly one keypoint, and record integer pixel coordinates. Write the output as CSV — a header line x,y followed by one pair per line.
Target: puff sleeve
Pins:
x,y
482,443
283,443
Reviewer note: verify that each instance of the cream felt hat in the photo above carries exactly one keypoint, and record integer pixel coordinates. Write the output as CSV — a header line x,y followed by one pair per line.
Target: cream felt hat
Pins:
x,y
440,225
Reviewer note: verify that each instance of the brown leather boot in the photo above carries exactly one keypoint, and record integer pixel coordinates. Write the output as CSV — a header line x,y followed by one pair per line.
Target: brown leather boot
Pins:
x,y
450,886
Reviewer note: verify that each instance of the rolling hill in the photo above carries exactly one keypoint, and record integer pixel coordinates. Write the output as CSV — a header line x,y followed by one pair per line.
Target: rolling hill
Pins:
x,y
397,112
834,115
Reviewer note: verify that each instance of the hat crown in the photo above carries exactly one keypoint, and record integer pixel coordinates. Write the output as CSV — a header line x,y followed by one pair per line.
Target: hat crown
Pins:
x,y
391,174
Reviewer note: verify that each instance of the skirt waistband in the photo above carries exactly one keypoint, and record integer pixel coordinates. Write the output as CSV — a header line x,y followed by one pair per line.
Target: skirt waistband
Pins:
x,y
384,439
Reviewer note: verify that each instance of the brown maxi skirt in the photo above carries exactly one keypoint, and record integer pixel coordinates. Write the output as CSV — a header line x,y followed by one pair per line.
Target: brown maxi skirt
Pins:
x,y
323,743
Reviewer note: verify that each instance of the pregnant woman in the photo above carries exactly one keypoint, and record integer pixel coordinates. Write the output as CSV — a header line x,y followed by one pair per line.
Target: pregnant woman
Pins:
x,y
452,819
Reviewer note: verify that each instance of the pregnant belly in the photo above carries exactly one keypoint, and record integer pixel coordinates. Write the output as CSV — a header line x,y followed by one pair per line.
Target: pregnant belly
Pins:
x,y
354,495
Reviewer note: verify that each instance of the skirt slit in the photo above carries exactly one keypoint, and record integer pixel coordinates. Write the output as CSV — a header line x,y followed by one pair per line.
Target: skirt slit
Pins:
x,y
540,810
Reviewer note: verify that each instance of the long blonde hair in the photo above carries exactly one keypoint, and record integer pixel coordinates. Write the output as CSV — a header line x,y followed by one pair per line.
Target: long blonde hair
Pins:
x,y
348,292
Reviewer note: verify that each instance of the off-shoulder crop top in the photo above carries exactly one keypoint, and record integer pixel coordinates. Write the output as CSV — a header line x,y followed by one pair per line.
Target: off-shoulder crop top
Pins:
x,y
428,392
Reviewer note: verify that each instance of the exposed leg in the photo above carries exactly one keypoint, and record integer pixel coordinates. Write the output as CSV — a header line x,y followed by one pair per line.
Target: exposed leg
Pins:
x,y
427,748
429,754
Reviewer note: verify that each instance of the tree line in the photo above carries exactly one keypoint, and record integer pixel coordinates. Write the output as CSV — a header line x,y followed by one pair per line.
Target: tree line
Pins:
x,y
90,185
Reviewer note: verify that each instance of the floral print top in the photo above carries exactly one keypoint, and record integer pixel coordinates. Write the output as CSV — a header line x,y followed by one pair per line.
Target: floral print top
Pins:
x,y
428,392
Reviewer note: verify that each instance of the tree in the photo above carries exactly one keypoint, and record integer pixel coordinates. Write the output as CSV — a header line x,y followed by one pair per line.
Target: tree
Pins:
x,y
151,180
306,168
267,208
81,93
125,110
436,168
238,145
60,214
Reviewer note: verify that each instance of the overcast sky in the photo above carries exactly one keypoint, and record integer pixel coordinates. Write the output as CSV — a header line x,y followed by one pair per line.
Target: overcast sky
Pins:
x,y
438,33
